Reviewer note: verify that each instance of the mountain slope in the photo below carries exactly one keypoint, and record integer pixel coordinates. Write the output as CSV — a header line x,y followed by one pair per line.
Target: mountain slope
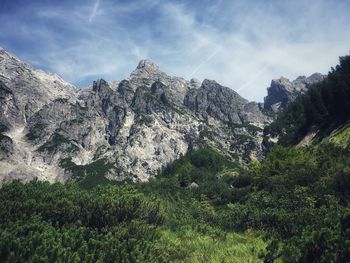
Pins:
x,y
123,129
323,108
24,90
129,129
282,91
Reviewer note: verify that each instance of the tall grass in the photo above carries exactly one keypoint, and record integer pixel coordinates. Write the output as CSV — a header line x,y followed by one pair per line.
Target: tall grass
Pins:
x,y
188,245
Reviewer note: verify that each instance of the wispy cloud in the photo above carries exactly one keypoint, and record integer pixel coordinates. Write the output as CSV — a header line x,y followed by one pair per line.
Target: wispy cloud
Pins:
x,y
240,44
94,11
205,61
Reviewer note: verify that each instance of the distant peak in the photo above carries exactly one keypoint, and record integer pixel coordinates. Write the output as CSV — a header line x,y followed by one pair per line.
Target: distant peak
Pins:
x,y
316,77
146,69
146,63
100,85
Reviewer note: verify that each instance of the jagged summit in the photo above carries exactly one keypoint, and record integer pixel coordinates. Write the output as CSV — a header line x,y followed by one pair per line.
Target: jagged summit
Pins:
x,y
146,69
282,91
148,64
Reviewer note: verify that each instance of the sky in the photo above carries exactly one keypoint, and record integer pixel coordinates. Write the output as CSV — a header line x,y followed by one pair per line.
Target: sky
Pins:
x,y
241,44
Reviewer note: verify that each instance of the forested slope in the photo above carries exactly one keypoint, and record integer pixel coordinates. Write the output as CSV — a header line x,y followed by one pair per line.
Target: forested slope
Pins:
x,y
323,108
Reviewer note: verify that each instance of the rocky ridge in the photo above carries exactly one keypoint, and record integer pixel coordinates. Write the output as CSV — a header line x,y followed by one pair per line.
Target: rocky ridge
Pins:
x,y
124,129
282,91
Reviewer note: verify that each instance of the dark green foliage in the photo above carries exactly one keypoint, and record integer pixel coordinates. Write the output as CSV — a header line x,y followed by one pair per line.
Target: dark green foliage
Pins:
x,y
300,198
145,119
40,222
90,174
325,106
252,129
205,159
56,140
36,132
48,223
211,171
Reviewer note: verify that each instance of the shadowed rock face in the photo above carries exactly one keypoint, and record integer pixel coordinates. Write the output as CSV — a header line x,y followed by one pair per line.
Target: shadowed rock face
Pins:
x,y
216,101
126,129
282,91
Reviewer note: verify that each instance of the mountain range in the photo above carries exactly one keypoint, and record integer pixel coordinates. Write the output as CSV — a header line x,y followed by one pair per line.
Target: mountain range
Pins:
x,y
128,129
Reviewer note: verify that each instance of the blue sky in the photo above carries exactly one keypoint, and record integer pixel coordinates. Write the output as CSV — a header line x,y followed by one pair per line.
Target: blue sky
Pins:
x,y
241,44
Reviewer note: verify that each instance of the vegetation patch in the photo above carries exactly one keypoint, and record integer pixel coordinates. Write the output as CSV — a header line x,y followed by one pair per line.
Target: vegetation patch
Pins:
x,y
145,119
99,151
56,140
40,222
191,246
292,207
252,129
36,131
96,168
341,137
3,128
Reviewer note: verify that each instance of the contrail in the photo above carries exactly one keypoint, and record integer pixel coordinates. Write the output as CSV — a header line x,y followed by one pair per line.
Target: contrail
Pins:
x,y
260,72
94,11
204,61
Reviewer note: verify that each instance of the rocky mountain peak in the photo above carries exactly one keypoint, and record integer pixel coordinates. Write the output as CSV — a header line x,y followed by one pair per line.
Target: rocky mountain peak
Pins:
x,y
128,128
282,91
148,69
316,77
146,73
100,85
147,64
27,89
209,82
195,83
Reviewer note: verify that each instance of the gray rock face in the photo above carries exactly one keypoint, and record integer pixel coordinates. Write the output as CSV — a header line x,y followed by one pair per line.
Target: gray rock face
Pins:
x,y
27,89
214,100
147,73
23,92
254,113
282,90
124,129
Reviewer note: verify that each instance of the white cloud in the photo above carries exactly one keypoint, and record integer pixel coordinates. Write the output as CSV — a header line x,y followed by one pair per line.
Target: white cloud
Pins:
x,y
240,44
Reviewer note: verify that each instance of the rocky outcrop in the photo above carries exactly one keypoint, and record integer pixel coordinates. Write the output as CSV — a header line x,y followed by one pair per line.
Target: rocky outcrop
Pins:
x,y
123,129
25,90
214,100
282,91
254,113
147,72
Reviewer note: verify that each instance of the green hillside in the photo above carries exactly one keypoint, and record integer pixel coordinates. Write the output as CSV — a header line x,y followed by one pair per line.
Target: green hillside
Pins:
x,y
293,207
323,108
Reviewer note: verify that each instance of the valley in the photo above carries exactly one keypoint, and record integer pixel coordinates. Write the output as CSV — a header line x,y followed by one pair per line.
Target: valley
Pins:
x,y
161,169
